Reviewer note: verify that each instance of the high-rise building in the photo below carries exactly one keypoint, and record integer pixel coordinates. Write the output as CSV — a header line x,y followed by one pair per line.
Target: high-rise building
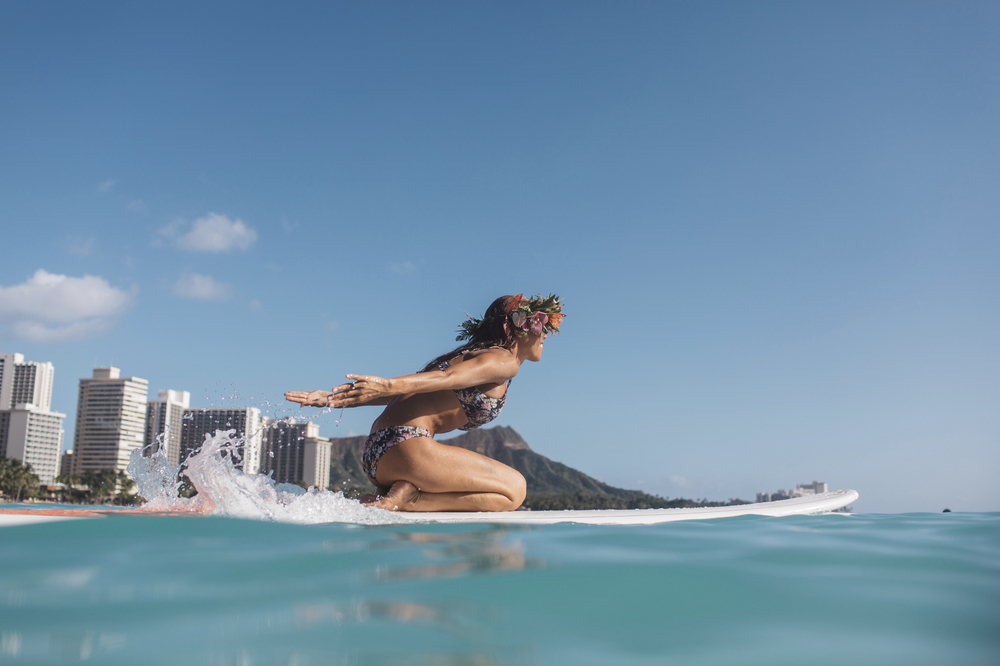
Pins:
x,y
110,420
199,423
35,437
295,452
29,430
66,464
801,490
25,383
164,417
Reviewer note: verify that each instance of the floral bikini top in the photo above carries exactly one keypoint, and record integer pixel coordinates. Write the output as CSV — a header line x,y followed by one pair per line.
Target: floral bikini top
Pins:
x,y
479,407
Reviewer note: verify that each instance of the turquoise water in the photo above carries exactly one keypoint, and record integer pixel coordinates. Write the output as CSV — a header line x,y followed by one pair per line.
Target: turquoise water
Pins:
x,y
831,589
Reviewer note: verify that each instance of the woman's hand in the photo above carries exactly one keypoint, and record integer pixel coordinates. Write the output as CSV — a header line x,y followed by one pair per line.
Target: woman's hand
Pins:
x,y
364,390
310,398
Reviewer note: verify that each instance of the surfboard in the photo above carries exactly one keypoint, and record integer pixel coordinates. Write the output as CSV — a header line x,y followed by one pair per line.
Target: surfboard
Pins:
x,y
809,504
797,506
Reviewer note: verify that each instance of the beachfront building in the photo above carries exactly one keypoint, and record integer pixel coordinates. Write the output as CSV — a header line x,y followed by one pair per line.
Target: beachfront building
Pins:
x,y
110,420
294,452
29,430
801,490
25,382
164,417
35,437
66,463
197,424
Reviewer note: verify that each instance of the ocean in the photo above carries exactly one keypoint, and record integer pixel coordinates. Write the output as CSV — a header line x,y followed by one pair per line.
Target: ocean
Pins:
x,y
826,589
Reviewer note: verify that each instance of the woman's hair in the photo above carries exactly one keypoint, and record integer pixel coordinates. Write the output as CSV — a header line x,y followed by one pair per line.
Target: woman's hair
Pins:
x,y
489,334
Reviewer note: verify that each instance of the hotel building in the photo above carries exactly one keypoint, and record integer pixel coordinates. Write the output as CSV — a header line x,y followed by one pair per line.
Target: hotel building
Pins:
x,y
801,490
197,424
29,430
110,420
164,419
295,452
25,383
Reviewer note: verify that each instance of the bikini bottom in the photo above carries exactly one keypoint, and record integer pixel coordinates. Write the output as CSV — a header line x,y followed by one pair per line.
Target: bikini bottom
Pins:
x,y
382,440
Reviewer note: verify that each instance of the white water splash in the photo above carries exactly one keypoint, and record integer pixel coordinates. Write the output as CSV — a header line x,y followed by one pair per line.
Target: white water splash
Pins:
x,y
156,481
224,490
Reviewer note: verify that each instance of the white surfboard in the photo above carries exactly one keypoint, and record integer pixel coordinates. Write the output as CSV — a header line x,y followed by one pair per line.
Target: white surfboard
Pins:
x,y
810,504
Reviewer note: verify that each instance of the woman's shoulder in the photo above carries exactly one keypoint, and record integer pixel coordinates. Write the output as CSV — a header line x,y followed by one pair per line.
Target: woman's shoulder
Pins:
x,y
494,352
500,355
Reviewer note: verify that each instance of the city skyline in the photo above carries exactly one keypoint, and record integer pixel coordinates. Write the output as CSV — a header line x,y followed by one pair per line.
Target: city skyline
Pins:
x,y
774,226
288,450
113,419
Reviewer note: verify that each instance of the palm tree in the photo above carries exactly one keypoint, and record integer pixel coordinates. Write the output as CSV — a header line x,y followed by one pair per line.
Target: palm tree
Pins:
x,y
101,483
17,480
125,486
68,479
72,493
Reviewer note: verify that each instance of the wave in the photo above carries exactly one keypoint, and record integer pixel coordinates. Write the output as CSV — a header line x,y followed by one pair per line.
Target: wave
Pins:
x,y
225,490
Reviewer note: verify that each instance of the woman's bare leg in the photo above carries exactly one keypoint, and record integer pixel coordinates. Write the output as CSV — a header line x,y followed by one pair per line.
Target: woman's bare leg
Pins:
x,y
425,475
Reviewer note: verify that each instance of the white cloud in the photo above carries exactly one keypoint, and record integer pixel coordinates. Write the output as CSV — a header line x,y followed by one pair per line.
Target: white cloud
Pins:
x,y
404,268
211,233
106,186
55,308
254,305
80,246
202,288
34,331
172,229
137,206
289,227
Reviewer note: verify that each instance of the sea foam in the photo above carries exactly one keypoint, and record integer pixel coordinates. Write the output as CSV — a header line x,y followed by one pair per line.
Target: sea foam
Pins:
x,y
225,490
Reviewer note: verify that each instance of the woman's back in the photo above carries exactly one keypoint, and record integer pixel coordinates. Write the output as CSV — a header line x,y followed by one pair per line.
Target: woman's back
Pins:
x,y
465,408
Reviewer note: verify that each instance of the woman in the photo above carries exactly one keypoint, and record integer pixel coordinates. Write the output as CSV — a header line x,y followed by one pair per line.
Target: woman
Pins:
x,y
463,389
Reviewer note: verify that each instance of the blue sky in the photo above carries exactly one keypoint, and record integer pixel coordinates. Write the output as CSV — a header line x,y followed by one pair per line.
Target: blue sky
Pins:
x,y
775,225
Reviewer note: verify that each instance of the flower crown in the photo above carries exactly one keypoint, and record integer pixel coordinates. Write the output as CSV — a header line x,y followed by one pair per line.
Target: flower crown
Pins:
x,y
524,315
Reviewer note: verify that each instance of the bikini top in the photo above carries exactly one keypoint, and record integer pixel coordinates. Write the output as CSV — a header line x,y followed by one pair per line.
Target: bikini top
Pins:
x,y
479,407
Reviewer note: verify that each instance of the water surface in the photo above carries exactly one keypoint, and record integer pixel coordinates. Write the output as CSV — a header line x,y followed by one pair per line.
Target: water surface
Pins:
x,y
830,589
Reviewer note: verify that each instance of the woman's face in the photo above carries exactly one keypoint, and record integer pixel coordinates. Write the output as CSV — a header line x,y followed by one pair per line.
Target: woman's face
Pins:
x,y
536,344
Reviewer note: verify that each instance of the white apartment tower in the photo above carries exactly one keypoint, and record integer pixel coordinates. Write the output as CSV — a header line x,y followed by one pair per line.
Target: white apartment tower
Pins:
x,y
110,420
29,430
295,452
245,421
25,383
164,417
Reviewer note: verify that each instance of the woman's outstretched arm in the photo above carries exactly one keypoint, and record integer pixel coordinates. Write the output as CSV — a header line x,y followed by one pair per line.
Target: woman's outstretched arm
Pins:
x,y
489,367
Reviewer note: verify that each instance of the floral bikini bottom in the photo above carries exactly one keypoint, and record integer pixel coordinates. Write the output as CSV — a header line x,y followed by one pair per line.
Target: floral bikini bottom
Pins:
x,y
382,440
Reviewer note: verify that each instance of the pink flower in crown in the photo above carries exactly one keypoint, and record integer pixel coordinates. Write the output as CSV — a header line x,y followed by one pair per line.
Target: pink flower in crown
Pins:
x,y
537,322
519,318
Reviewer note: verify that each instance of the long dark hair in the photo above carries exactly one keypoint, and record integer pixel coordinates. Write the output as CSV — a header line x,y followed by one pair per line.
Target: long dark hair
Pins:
x,y
490,334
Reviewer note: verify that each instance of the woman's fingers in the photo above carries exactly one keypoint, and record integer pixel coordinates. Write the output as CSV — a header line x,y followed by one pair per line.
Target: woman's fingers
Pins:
x,y
296,396
310,398
353,394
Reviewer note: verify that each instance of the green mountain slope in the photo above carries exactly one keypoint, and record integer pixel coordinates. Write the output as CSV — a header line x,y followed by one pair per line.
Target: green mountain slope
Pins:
x,y
551,485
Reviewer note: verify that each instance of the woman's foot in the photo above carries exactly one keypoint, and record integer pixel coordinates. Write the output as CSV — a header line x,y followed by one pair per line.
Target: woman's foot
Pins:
x,y
401,497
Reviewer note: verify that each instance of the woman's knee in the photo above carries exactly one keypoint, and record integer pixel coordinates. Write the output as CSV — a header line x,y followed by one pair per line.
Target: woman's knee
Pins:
x,y
518,490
